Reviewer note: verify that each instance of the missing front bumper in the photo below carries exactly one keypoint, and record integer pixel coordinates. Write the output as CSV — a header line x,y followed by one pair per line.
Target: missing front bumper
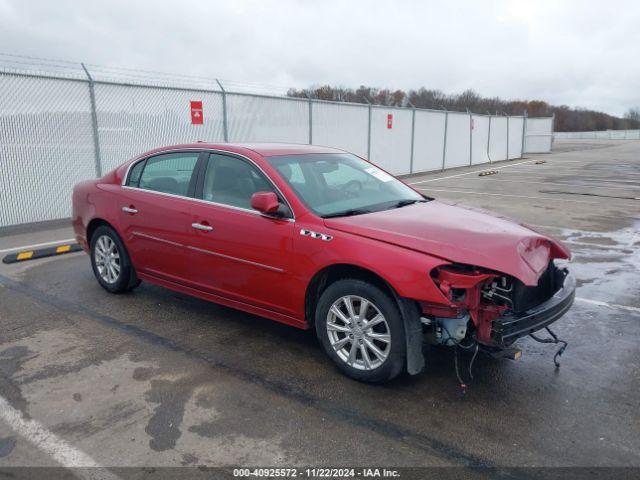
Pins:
x,y
507,328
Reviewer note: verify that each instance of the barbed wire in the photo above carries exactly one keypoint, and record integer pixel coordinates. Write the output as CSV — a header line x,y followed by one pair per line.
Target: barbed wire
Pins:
x,y
10,62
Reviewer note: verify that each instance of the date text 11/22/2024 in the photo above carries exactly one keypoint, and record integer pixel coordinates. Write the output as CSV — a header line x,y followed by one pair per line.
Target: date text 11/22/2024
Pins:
x,y
317,472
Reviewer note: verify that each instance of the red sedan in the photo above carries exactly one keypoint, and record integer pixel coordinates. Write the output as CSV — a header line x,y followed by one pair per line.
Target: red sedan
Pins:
x,y
318,238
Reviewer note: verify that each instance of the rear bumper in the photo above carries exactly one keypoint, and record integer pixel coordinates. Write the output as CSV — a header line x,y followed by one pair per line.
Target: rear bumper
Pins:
x,y
510,327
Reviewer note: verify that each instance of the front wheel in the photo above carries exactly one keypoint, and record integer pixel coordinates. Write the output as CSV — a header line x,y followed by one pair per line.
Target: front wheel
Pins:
x,y
361,329
110,261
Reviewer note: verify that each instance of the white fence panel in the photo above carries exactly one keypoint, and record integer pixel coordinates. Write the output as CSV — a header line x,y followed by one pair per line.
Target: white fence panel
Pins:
x,y
46,147
601,134
266,119
344,126
458,140
498,140
132,120
428,145
480,139
617,134
516,126
539,135
47,121
391,147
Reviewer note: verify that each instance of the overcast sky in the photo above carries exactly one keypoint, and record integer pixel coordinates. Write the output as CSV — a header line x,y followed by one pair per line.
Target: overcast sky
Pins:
x,y
580,53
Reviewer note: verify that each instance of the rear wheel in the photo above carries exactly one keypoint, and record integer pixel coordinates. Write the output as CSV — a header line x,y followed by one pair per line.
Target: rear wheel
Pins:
x,y
110,261
361,329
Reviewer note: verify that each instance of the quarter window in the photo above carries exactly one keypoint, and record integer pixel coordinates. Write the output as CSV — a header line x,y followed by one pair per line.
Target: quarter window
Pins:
x,y
134,175
167,173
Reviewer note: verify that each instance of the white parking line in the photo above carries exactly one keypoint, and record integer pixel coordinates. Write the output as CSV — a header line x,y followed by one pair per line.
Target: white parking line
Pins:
x,y
609,305
485,166
37,245
596,245
500,180
554,199
540,174
46,441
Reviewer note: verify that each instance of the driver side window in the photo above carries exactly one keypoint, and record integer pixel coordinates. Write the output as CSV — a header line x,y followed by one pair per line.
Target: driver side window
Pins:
x,y
232,181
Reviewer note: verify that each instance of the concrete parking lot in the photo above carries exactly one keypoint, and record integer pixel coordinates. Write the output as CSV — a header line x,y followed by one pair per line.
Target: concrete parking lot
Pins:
x,y
155,378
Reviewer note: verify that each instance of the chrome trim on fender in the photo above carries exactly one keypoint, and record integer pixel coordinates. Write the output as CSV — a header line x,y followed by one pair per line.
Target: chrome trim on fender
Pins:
x,y
241,260
316,235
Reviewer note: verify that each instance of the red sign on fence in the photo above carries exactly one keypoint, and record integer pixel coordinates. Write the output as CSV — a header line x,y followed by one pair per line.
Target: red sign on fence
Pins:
x,y
196,112
390,121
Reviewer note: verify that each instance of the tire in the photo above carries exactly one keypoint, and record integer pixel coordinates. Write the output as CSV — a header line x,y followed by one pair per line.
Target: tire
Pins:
x,y
116,274
368,365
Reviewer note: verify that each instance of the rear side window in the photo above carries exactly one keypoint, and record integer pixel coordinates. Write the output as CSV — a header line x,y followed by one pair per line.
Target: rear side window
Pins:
x,y
167,173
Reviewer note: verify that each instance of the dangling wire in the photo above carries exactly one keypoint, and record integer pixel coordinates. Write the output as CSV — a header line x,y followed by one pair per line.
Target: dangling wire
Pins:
x,y
472,360
456,345
463,386
554,339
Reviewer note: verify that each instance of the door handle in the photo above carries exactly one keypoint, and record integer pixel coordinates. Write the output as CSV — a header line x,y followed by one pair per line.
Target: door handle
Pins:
x,y
204,228
130,210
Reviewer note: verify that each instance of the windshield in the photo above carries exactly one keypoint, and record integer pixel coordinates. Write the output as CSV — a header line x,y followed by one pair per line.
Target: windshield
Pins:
x,y
342,184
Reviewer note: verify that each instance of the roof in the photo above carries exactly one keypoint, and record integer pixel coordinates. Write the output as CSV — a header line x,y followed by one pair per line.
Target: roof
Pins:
x,y
272,149
264,149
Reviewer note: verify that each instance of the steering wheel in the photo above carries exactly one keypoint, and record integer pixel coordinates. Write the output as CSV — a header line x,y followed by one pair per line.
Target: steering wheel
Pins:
x,y
352,188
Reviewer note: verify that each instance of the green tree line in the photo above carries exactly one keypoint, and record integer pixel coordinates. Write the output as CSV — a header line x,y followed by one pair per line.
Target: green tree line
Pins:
x,y
567,119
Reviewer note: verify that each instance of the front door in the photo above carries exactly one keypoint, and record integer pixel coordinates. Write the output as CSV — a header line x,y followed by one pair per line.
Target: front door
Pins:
x,y
237,252
155,214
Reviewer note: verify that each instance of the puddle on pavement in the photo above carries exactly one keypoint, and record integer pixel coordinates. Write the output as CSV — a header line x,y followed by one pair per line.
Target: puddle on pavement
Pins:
x,y
608,271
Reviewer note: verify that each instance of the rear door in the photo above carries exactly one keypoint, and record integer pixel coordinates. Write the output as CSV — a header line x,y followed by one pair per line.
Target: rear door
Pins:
x,y
155,213
237,252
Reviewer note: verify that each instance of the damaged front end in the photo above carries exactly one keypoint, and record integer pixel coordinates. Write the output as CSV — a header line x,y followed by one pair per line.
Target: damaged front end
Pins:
x,y
492,308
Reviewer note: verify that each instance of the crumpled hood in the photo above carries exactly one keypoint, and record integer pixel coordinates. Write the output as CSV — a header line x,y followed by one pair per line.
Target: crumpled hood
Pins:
x,y
460,235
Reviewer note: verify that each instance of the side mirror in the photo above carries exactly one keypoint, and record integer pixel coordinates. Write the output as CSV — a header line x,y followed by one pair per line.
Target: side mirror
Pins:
x,y
265,202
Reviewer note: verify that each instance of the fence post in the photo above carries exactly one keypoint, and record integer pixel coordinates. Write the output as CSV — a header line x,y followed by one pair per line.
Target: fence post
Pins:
x,y
368,130
310,120
444,143
225,127
507,134
489,140
553,127
94,123
470,137
524,131
413,134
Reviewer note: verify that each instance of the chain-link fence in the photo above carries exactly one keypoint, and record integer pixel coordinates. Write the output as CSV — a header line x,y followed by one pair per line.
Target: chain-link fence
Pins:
x,y
68,122
600,135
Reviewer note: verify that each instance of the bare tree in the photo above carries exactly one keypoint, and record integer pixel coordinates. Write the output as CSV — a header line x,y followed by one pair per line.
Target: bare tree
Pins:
x,y
568,119
633,114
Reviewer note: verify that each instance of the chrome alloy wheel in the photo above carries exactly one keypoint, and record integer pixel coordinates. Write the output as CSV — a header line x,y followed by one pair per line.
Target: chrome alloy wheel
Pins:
x,y
358,332
107,259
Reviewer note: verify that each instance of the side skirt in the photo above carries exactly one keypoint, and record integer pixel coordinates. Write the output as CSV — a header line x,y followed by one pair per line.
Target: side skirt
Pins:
x,y
262,312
